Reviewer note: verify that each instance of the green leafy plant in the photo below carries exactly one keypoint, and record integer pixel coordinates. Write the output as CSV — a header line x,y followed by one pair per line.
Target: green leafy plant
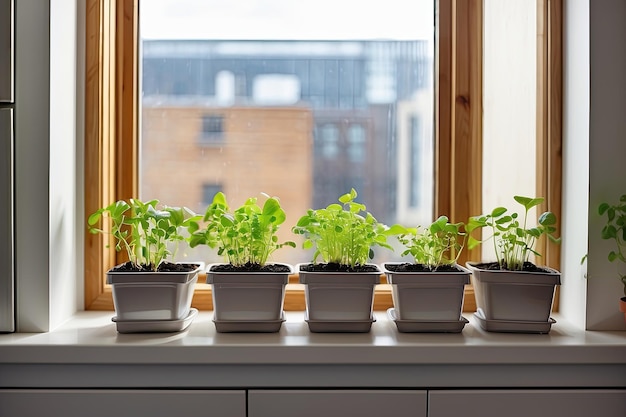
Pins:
x,y
513,240
340,234
437,245
143,230
245,236
615,230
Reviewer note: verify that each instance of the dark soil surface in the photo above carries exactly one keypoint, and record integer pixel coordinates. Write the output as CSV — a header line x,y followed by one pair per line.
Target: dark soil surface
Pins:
x,y
250,267
164,267
335,267
409,267
494,266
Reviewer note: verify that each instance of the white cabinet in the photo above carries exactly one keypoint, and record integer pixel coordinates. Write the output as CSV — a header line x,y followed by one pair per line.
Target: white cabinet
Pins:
x,y
313,403
336,403
525,403
122,403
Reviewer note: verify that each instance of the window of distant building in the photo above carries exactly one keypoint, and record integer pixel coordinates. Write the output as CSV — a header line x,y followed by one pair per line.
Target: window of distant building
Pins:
x,y
328,141
212,129
415,162
356,143
208,192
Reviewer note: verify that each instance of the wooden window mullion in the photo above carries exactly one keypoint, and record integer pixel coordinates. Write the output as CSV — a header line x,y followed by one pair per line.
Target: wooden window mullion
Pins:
x,y
99,149
549,118
459,112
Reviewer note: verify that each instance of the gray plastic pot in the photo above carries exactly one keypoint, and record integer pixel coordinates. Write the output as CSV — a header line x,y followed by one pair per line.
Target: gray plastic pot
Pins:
x,y
152,295
514,295
255,297
427,296
339,301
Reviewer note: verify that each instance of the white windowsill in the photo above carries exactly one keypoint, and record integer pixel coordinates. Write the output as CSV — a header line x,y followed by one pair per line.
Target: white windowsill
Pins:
x,y
200,356
91,332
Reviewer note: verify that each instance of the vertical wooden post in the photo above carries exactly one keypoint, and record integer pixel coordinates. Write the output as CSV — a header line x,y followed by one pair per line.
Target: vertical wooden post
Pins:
x,y
549,118
99,150
126,103
459,112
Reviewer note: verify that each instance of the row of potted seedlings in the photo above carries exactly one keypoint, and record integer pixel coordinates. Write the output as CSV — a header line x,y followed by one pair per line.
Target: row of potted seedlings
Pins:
x,y
152,294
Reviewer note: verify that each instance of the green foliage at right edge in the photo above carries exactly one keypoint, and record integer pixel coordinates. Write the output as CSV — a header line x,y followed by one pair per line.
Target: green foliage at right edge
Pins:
x,y
615,230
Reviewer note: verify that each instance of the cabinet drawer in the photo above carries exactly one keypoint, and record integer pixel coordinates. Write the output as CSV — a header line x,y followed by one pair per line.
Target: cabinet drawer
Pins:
x,y
122,403
524,403
336,403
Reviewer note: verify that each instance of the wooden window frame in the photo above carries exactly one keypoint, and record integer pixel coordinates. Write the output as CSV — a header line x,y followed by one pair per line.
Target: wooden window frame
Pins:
x,y
111,134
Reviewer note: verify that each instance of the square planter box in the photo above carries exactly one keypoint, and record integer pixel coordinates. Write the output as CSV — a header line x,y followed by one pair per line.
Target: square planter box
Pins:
x,y
514,296
339,301
155,296
248,302
427,296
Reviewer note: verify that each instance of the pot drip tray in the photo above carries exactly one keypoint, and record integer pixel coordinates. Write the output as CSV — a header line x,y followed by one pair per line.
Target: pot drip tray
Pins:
x,y
249,326
427,326
514,326
155,326
339,326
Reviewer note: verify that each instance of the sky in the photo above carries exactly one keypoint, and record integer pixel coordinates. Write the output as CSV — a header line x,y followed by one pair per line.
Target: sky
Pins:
x,y
287,19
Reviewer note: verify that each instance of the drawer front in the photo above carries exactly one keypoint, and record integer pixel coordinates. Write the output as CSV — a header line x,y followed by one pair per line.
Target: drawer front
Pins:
x,y
122,403
524,403
336,403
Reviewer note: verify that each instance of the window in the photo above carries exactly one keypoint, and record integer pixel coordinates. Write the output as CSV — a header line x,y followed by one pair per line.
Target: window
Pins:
x,y
113,120
208,192
327,141
356,144
414,163
212,129
265,130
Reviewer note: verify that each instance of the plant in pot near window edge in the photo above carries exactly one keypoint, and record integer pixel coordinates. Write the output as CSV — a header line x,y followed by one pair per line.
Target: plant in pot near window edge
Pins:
x,y
339,291
248,292
513,294
150,293
428,293
615,229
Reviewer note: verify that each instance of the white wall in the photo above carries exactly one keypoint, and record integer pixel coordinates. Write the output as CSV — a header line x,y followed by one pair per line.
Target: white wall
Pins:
x,y
607,149
47,247
32,161
63,133
575,160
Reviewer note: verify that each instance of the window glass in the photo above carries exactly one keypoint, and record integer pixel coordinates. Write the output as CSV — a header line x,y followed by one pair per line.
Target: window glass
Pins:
x,y
510,103
301,100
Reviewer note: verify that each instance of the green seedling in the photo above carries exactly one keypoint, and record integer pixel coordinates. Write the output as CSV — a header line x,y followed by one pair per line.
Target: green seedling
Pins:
x,y
244,236
143,230
341,234
513,241
437,245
